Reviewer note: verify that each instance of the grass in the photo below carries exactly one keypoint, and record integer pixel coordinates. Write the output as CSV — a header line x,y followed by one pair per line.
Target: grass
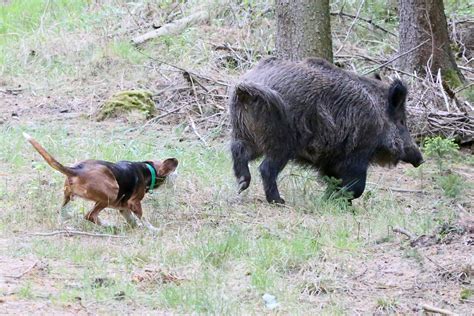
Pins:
x,y
223,248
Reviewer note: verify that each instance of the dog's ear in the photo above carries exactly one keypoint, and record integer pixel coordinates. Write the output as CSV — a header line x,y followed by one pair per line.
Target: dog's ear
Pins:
x,y
167,166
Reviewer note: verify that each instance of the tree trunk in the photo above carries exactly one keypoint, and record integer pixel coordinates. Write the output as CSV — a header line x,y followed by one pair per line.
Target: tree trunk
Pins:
x,y
303,29
425,21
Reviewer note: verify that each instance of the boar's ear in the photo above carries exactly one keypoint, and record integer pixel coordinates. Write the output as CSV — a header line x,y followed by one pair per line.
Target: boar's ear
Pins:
x,y
377,76
397,95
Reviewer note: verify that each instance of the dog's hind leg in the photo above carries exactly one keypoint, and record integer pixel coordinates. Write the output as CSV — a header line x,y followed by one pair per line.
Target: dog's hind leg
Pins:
x,y
64,215
242,153
93,215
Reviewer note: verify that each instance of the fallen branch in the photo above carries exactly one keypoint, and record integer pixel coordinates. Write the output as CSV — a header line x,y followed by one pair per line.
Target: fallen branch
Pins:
x,y
24,272
429,122
437,310
405,232
363,19
173,28
75,233
405,190
222,83
401,190
395,58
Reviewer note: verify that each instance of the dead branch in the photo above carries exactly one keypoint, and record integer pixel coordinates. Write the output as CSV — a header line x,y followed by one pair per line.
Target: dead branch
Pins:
x,y
405,190
429,122
174,27
433,309
222,83
342,14
354,21
19,276
395,58
405,232
70,233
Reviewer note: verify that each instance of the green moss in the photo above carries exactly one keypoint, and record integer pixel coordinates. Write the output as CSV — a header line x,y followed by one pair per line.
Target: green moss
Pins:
x,y
468,94
451,77
125,102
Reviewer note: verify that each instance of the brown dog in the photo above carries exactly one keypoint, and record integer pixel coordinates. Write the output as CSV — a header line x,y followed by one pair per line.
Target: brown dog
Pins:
x,y
120,185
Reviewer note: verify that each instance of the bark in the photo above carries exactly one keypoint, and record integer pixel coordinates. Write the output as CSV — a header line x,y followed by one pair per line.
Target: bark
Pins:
x,y
424,20
303,29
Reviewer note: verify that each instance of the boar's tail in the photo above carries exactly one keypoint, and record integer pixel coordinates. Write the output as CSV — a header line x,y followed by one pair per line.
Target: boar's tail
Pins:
x,y
258,115
249,92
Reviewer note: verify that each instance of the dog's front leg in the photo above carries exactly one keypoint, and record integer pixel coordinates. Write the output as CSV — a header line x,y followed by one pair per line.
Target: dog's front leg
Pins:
x,y
129,217
136,208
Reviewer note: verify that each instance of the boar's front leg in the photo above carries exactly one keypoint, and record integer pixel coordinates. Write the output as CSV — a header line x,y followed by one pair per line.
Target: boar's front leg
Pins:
x,y
353,175
269,170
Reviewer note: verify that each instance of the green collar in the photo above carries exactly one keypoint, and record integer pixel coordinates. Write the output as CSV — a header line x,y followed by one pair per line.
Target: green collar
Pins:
x,y
153,176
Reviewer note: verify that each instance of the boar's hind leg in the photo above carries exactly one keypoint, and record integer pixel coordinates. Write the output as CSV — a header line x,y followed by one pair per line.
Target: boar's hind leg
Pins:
x,y
241,155
269,170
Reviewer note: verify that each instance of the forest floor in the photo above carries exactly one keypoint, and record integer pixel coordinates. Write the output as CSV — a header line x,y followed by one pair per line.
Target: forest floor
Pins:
x,y
216,252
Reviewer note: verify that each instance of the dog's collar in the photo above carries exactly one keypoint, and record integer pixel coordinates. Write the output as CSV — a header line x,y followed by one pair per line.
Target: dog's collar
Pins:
x,y
153,175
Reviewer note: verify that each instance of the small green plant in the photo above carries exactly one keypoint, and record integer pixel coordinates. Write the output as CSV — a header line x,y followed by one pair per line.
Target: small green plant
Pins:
x,y
387,304
466,294
26,291
442,150
414,254
451,184
334,191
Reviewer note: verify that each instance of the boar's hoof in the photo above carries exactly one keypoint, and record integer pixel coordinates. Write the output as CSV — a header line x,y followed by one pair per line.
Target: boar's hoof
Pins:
x,y
276,201
243,184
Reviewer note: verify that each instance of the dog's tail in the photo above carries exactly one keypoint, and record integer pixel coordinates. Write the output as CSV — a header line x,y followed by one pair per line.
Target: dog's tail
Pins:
x,y
49,159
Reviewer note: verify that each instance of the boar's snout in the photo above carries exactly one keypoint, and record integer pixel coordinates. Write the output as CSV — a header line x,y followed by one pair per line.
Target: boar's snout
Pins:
x,y
413,155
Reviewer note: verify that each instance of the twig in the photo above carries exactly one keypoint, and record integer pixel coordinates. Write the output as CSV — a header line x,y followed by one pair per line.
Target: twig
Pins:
x,y
365,20
437,310
24,272
397,189
222,83
75,232
405,232
463,88
462,208
352,26
404,190
396,57
193,126
157,118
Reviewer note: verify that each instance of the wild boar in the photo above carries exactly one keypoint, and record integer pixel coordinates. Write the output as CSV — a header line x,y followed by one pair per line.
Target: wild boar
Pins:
x,y
317,114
